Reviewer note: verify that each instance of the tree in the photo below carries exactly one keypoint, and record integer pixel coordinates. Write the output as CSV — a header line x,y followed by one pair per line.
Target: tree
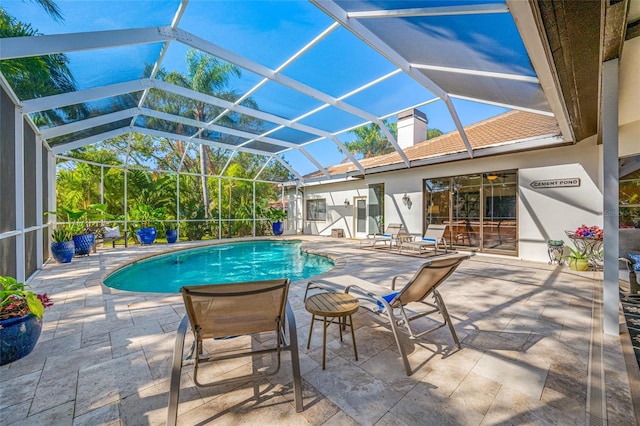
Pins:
x,y
433,133
39,76
371,141
51,8
205,74
209,75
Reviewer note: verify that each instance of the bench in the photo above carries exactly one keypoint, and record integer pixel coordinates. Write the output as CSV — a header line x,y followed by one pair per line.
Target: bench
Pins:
x,y
105,234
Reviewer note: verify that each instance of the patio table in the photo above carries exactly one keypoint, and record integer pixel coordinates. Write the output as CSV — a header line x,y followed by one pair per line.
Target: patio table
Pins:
x,y
338,306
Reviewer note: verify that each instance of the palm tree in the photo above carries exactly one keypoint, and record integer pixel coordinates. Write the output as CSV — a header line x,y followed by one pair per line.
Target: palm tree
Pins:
x,y
41,75
205,74
50,7
371,141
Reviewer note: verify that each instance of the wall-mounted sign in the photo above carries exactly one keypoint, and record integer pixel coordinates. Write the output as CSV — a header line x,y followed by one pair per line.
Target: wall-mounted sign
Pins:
x,y
556,183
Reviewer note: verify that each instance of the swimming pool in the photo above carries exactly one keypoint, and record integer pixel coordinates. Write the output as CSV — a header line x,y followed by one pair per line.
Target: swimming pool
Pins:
x,y
227,263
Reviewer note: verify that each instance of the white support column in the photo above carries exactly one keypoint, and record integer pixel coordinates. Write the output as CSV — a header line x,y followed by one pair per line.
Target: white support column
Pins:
x,y
101,184
610,184
304,207
124,202
254,208
178,202
52,187
126,196
220,208
19,187
39,207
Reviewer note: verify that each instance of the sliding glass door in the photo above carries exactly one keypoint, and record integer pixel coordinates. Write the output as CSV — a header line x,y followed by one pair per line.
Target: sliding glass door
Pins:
x,y
480,210
376,208
499,224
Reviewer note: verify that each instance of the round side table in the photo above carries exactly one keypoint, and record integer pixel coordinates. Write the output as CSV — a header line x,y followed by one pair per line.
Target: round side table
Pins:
x,y
334,306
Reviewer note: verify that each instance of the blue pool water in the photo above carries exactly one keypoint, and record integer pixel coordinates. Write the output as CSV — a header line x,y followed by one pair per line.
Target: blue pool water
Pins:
x,y
217,264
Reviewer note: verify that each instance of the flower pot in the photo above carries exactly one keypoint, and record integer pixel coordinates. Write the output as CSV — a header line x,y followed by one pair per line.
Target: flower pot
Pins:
x,y
578,264
83,243
63,252
277,228
146,235
172,236
18,337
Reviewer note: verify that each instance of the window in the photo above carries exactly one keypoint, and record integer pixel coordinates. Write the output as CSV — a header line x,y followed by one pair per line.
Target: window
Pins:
x,y
630,200
317,210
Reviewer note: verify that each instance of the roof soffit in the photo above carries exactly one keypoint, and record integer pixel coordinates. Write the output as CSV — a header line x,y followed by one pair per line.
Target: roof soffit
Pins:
x,y
573,33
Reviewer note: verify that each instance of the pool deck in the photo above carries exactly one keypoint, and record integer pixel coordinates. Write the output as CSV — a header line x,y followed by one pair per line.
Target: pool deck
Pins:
x,y
104,355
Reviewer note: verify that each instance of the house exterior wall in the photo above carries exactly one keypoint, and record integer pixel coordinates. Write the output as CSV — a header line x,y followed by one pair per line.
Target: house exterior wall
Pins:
x,y
543,214
629,88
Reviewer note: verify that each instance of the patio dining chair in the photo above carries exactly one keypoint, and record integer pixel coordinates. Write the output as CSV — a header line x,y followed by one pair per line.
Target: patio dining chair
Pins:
x,y
390,235
433,237
418,298
221,311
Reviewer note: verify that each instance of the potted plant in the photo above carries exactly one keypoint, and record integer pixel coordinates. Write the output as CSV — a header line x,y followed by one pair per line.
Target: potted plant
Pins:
x,y
146,216
276,216
62,246
78,219
172,235
21,312
578,260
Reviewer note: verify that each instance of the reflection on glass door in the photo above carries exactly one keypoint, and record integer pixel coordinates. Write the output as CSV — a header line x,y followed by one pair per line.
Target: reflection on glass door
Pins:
x,y
437,203
376,208
499,225
465,218
480,210
360,217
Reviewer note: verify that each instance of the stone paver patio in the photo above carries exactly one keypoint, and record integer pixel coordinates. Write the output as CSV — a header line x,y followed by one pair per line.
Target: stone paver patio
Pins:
x,y
104,355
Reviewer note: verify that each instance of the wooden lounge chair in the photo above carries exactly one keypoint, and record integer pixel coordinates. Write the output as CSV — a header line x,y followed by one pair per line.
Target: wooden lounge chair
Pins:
x,y
413,295
220,311
389,236
433,237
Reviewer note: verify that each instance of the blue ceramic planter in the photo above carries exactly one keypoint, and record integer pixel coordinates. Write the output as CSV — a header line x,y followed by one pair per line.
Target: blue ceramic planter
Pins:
x,y
172,236
83,243
146,235
18,337
277,228
63,252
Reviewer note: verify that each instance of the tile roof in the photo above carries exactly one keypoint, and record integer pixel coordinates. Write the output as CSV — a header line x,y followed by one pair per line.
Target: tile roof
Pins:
x,y
507,128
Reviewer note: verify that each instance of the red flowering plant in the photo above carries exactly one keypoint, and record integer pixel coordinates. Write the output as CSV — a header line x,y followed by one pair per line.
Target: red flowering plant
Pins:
x,y
585,231
17,301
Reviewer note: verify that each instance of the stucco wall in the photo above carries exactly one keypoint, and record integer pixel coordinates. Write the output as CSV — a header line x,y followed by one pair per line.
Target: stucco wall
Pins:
x,y
629,88
338,216
546,213
543,213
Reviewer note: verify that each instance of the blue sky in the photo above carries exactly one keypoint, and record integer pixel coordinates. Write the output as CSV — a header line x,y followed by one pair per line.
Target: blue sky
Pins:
x,y
267,33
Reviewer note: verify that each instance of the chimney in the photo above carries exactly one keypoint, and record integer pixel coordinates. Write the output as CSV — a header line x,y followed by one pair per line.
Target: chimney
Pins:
x,y
412,128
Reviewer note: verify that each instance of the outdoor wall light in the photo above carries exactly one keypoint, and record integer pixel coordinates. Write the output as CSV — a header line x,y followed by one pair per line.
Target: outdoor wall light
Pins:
x,y
346,202
406,200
